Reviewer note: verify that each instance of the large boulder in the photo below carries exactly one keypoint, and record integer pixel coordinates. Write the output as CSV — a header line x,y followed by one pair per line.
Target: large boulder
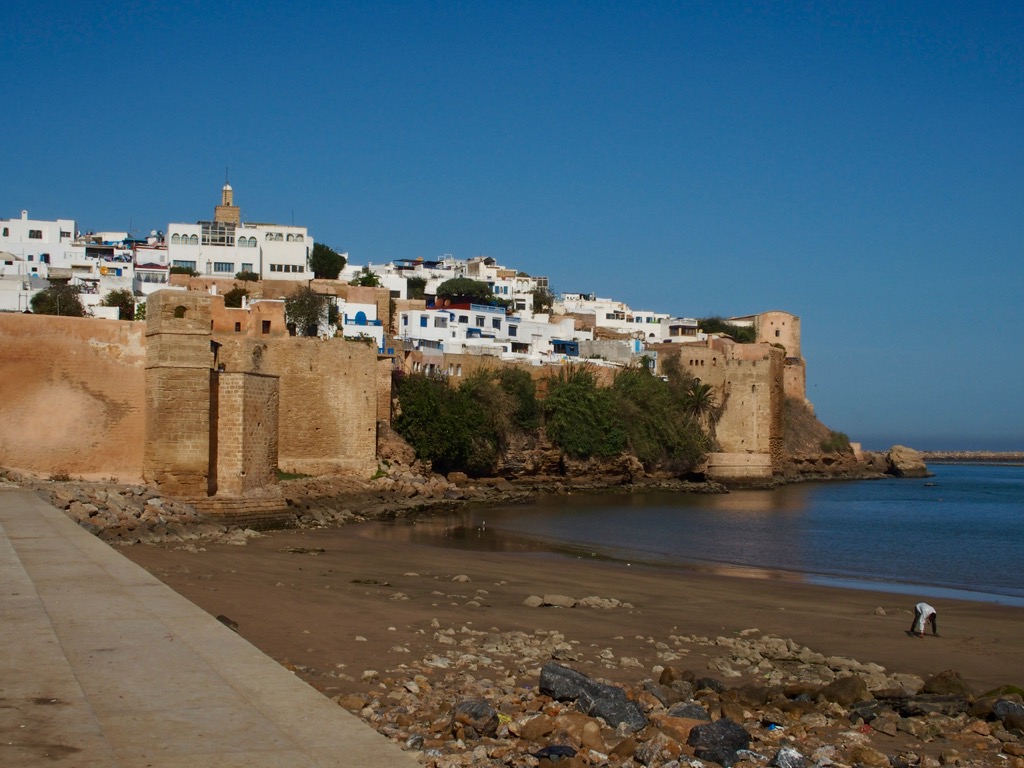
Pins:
x,y
719,741
593,698
905,462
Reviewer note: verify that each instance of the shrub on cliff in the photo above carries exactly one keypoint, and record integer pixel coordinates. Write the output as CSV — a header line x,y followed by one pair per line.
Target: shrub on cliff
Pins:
x,y
581,418
445,425
660,430
470,425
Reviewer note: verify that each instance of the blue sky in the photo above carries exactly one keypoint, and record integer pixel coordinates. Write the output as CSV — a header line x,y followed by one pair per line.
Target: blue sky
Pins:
x,y
860,165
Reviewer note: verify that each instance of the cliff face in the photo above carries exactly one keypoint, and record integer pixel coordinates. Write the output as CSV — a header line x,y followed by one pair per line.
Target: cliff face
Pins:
x,y
812,449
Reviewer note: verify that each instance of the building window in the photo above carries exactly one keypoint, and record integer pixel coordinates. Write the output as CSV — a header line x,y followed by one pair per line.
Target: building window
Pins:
x,y
64,234
193,240
480,321
496,323
223,266
176,239
299,238
7,232
513,330
246,267
35,234
440,322
187,264
464,319
777,333
218,233
423,321
290,238
238,327
266,327
405,319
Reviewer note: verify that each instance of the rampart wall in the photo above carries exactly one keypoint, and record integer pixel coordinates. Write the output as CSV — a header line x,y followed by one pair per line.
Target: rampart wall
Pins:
x,y
71,396
328,399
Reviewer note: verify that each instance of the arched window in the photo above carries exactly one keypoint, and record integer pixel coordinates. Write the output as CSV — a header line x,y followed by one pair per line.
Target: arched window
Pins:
x,y
360,318
278,237
179,311
193,240
252,242
269,237
290,238
175,239
299,238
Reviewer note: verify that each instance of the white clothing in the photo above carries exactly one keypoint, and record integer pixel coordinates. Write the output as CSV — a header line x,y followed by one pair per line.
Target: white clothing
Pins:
x,y
923,612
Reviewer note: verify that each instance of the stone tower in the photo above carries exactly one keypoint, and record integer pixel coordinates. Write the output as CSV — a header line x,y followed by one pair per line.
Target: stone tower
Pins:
x,y
227,212
179,365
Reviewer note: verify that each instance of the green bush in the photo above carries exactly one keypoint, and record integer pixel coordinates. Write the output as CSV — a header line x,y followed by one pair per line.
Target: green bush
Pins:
x,y
660,430
579,417
741,333
836,442
440,422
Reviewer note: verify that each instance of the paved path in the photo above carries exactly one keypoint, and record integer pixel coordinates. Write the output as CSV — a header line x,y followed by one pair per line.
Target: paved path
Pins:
x,y
103,665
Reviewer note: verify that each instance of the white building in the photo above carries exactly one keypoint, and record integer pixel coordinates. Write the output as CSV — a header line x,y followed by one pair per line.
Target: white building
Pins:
x,y
225,246
485,330
28,246
360,321
52,250
613,315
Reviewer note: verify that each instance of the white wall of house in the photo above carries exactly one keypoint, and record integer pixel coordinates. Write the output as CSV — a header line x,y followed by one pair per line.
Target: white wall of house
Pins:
x,y
276,252
35,241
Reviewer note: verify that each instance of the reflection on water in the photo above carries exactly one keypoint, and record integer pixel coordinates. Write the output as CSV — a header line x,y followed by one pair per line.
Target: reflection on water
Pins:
x,y
961,531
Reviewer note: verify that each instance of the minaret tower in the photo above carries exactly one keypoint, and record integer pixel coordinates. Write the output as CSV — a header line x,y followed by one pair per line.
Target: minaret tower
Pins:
x,y
227,212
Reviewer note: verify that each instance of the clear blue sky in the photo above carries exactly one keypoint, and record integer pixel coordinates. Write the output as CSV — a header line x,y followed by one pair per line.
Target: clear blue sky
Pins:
x,y
858,164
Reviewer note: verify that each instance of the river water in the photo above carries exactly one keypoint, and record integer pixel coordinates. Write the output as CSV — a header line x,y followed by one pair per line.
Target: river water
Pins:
x,y
959,534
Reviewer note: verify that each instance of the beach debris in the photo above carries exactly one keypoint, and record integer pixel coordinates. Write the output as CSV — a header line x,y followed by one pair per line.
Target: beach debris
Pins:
x,y
229,623
302,550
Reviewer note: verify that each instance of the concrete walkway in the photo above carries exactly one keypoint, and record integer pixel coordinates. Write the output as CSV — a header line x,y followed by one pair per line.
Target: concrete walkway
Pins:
x,y
103,665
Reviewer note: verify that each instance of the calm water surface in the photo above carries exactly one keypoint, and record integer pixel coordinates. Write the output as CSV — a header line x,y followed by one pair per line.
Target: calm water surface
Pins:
x,y
959,534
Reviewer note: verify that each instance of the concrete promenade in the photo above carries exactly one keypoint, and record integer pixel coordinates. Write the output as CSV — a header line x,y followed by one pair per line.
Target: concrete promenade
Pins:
x,y
103,665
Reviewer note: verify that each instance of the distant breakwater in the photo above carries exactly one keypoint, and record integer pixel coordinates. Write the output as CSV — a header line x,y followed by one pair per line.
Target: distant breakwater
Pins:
x,y
973,457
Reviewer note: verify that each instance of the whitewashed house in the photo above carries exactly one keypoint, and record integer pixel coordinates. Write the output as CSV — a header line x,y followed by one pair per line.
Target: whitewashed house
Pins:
x,y
225,246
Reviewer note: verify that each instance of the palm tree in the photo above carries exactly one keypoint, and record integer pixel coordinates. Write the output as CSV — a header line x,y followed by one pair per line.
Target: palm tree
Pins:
x,y
699,403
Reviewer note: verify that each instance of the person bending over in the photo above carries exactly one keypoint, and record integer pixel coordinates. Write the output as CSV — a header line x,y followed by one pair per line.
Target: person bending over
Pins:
x,y
922,613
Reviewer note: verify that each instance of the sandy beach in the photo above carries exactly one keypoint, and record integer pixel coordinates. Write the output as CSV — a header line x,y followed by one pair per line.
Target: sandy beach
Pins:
x,y
368,604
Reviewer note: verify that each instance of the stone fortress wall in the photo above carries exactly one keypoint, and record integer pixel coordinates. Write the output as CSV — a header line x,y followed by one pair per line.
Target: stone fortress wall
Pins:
x,y
206,400
71,396
200,399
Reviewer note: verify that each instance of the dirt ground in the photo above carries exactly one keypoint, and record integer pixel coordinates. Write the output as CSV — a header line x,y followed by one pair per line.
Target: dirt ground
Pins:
x,y
367,603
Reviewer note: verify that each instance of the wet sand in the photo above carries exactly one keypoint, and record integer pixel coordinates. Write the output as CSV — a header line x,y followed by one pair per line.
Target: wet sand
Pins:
x,y
368,603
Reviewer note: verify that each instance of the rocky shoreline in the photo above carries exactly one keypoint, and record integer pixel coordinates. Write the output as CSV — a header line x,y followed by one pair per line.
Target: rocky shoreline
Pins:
x,y
493,697
462,706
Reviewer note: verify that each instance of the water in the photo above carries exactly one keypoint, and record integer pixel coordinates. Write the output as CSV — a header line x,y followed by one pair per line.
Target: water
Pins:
x,y
959,534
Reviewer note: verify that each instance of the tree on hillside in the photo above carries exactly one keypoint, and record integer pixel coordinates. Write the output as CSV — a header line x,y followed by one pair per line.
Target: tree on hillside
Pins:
x,y
463,290
124,300
59,299
304,310
233,298
325,262
543,299
416,287
366,279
